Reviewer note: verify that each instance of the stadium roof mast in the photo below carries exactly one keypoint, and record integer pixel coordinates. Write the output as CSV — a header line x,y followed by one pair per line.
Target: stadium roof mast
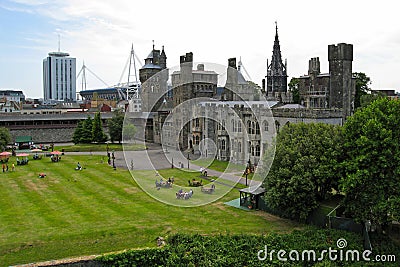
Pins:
x,y
131,91
136,92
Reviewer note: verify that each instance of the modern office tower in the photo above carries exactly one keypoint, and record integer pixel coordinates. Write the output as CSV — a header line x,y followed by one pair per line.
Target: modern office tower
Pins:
x,y
59,77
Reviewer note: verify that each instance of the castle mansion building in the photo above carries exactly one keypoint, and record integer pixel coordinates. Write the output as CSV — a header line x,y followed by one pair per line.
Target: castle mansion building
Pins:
x,y
239,124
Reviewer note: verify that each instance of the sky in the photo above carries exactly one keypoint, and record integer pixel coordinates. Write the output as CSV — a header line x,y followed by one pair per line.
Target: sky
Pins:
x,y
101,33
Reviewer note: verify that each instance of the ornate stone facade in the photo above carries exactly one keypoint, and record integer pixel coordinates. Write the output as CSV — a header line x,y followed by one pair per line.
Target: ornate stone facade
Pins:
x,y
335,89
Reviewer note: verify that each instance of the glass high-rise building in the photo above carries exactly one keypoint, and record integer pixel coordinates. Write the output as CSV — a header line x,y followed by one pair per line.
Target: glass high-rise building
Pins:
x,y
59,77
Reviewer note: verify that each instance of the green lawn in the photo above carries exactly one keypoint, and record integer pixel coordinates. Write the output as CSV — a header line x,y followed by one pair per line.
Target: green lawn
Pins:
x,y
72,213
219,165
100,147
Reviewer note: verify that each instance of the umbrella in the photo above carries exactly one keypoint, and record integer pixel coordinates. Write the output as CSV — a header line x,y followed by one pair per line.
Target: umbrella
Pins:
x,y
56,152
36,150
22,155
5,153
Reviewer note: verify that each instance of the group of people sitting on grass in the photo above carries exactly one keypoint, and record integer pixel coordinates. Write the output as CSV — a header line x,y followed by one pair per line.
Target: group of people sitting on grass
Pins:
x,y
55,158
23,161
166,184
184,195
36,156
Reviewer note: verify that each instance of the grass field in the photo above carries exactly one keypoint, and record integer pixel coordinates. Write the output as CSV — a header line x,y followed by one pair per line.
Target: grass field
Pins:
x,y
100,147
97,210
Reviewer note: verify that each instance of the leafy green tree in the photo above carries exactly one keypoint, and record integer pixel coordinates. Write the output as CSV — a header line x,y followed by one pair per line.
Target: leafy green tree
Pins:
x,y
305,168
98,134
115,125
372,181
5,138
294,88
362,87
129,131
369,98
86,137
76,138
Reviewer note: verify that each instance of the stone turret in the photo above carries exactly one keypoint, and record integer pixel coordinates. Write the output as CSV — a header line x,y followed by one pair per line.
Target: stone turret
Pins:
x,y
342,86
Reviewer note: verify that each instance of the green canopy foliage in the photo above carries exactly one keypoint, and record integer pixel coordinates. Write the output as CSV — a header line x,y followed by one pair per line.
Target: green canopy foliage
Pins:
x,y
372,181
115,125
98,134
362,87
5,138
305,168
294,88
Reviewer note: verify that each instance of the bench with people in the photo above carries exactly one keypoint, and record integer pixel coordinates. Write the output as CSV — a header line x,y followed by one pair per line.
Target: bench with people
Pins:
x,y
195,183
208,190
166,184
22,161
184,195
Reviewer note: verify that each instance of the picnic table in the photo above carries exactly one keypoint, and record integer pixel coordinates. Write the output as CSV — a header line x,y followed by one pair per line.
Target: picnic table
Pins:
x,y
195,183
184,195
208,190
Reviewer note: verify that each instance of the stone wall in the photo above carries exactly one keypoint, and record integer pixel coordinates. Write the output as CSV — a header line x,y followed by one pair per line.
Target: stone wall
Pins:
x,y
49,135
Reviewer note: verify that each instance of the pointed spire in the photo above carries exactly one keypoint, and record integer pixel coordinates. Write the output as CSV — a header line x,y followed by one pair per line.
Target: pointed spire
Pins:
x,y
153,44
276,70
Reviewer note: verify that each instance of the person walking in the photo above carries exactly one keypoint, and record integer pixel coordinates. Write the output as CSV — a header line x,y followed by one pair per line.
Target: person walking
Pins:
x,y
13,167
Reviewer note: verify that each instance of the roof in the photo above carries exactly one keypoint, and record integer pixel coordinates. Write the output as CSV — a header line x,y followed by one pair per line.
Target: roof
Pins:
x,y
254,190
151,66
244,103
23,139
241,79
292,106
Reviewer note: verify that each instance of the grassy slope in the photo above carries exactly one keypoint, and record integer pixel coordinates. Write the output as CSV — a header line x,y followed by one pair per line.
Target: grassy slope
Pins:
x,y
97,210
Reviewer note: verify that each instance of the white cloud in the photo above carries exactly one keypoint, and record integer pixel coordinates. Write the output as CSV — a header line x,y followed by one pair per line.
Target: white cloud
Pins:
x,y
101,33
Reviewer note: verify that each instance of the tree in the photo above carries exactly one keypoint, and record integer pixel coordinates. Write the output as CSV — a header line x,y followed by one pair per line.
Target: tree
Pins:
x,y
98,134
305,168
5,138
76,138
129,131
294,88
372,181
86,137
362,87
115,125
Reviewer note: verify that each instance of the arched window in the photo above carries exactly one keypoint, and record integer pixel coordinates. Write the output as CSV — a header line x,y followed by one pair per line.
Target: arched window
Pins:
x,y
197,122
233,125
257,150
197,140
257,128
240,147
223,144
265,126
